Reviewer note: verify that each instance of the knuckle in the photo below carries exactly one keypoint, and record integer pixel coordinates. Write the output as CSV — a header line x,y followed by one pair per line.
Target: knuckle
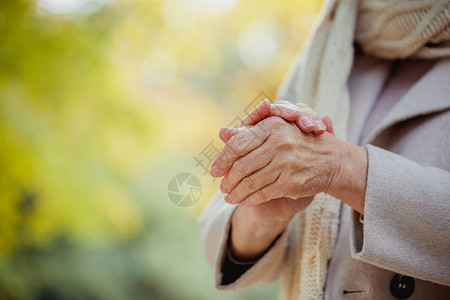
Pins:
x,y
261,195
232,147
239,167
275,123
252,117
285,144
221,164
286,164
238,143
254,133
267,121
288,187
277,120
299,182
292,185
248,183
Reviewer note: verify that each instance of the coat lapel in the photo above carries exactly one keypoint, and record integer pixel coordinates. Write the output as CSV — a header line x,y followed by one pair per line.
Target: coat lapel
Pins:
x,y
430,94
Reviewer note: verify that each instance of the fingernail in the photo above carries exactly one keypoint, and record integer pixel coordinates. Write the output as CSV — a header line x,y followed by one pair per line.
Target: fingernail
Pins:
x,y
320,125
307,122
228,199
290,110
215,171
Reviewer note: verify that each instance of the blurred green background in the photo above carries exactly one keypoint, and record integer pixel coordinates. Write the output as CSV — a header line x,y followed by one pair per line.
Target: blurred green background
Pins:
x,y
102,103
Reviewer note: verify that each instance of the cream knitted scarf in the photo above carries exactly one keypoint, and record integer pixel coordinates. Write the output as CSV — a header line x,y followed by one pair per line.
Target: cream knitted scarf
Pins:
x,y
384,28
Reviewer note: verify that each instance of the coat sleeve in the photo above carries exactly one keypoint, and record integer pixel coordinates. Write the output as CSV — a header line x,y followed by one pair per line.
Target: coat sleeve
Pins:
x,y
215,225
406,224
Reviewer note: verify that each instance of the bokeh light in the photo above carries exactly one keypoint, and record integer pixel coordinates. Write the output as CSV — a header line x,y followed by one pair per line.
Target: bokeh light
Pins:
x,y
259,42
181,14
70,7
159,67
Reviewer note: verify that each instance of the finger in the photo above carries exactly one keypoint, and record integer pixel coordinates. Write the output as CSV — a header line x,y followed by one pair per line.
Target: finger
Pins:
x,y
253,182
244,166
305,123
262,195
307,120
237,146
286,111
329,124
320,127
225,133
259,113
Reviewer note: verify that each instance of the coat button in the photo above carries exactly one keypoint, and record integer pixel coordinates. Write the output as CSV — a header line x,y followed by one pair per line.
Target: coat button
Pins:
x,y
402,287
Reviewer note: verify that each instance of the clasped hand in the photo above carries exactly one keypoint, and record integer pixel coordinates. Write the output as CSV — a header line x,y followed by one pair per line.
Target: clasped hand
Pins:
x,y
269,158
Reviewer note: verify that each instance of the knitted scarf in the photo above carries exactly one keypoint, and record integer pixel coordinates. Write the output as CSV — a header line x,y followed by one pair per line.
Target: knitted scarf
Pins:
x,y
384,28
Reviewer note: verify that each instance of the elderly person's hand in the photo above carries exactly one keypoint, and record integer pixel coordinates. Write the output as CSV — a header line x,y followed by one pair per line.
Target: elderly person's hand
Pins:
x,y
284,208
274,159
254,227
276,211
301,114
268,219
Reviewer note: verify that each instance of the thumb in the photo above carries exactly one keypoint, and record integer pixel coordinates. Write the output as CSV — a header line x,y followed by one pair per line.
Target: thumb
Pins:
x,y
226,133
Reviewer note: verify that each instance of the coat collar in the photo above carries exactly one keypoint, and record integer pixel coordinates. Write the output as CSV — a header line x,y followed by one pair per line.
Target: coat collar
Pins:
x,y
430,94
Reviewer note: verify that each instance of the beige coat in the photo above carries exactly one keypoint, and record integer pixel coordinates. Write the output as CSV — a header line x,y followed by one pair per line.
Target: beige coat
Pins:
x,y
406,227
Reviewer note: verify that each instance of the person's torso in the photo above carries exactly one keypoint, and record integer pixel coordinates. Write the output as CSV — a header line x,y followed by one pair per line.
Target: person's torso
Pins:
x,y
348,278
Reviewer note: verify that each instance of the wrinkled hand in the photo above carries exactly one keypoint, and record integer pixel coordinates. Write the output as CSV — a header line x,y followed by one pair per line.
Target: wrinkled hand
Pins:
x,y
255,227
276,211
301,114
279,210
273,160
